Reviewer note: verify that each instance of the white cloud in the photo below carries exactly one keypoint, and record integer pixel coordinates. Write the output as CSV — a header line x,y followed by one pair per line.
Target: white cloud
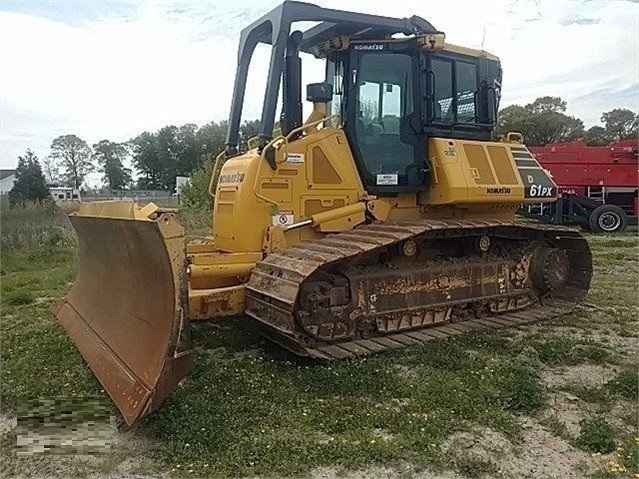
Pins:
x,y
115,75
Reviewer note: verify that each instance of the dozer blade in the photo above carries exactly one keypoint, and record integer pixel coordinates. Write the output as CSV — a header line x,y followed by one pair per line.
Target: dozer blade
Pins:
x,y
127,311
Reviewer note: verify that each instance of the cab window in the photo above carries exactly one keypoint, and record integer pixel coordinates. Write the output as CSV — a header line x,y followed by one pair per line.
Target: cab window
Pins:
x,y
454,90
442,76
466,82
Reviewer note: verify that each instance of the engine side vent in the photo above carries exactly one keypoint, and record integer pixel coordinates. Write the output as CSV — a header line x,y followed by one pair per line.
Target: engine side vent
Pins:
x,y
502,165
477,159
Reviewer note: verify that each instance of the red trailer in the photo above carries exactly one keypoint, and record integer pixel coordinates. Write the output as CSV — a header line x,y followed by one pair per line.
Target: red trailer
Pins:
x,y
598,184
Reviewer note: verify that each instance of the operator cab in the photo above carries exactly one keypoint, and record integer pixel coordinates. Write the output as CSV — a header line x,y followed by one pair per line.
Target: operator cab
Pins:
x,y
399,93
395,83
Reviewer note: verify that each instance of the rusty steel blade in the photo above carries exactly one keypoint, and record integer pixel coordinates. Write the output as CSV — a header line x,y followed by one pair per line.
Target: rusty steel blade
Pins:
x,y
127,311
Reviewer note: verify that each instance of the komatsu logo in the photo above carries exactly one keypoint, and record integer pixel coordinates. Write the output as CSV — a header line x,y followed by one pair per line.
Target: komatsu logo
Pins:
x,y
236,177
498,191
369,46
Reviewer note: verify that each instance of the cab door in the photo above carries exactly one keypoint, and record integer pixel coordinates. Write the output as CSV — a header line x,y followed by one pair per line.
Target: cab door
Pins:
x,y
383,122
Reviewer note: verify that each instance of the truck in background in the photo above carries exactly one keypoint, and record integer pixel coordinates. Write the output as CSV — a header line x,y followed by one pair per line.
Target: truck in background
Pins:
x,y
598,185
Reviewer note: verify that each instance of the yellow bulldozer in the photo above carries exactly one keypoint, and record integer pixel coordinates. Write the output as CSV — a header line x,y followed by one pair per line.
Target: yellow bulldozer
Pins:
x,y
383,220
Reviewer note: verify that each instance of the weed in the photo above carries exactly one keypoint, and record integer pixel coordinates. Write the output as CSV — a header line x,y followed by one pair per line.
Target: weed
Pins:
x,y
625,384
593,395
569,351
624,462
35,227
596,436
196,220
19,297
523,390
628,453
555,425
475,467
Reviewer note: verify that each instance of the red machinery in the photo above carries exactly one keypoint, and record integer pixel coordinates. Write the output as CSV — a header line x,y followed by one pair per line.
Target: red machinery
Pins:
x,y
598,184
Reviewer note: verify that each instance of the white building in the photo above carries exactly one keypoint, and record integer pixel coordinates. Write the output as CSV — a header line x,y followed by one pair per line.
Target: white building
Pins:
x,y
63,194
7,179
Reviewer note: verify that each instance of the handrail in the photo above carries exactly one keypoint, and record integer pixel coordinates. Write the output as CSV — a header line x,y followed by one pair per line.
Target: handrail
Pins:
x,y
309,125
215,172
285,139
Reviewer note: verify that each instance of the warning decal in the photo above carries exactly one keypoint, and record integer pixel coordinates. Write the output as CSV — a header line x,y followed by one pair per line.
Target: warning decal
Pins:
x,y
283,218
295,158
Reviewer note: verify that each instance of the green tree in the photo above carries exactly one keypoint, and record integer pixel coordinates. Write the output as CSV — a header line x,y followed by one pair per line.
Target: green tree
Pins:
x,y
30,184
210,138
195,193
597,136
547,104
620,124
189,152
512,118
51,170
168,149
74,155
248,130
541,122
146,161
110,157
179,151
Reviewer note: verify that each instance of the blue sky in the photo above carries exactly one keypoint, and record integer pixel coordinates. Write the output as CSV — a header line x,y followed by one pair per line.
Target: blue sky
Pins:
x,y
112,69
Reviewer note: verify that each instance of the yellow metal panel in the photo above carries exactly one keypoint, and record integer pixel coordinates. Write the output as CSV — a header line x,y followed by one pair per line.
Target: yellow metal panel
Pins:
x,y
261,192
221,257
226,196
472,52
313,205
463,174
215,303
228,270
503,164
323,171
478,161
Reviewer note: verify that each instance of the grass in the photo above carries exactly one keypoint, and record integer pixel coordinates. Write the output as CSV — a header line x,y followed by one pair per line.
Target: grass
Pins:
x,y
570,351
476,467
596,436
34,227
625,384
38,359
197,221
272,413
16,298
242,413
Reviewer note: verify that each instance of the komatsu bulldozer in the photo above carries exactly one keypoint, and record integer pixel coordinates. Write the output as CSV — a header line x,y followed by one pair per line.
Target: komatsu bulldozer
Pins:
x,y
384,219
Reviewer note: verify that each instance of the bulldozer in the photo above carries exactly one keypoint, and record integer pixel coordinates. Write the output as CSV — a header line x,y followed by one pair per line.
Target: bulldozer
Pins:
x,y
384,219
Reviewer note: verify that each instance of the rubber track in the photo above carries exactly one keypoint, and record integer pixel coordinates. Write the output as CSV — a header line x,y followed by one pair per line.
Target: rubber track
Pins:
x,y
275,281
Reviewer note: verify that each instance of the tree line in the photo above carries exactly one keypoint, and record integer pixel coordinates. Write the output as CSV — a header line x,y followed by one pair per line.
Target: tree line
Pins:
x,y
545,121
158,157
